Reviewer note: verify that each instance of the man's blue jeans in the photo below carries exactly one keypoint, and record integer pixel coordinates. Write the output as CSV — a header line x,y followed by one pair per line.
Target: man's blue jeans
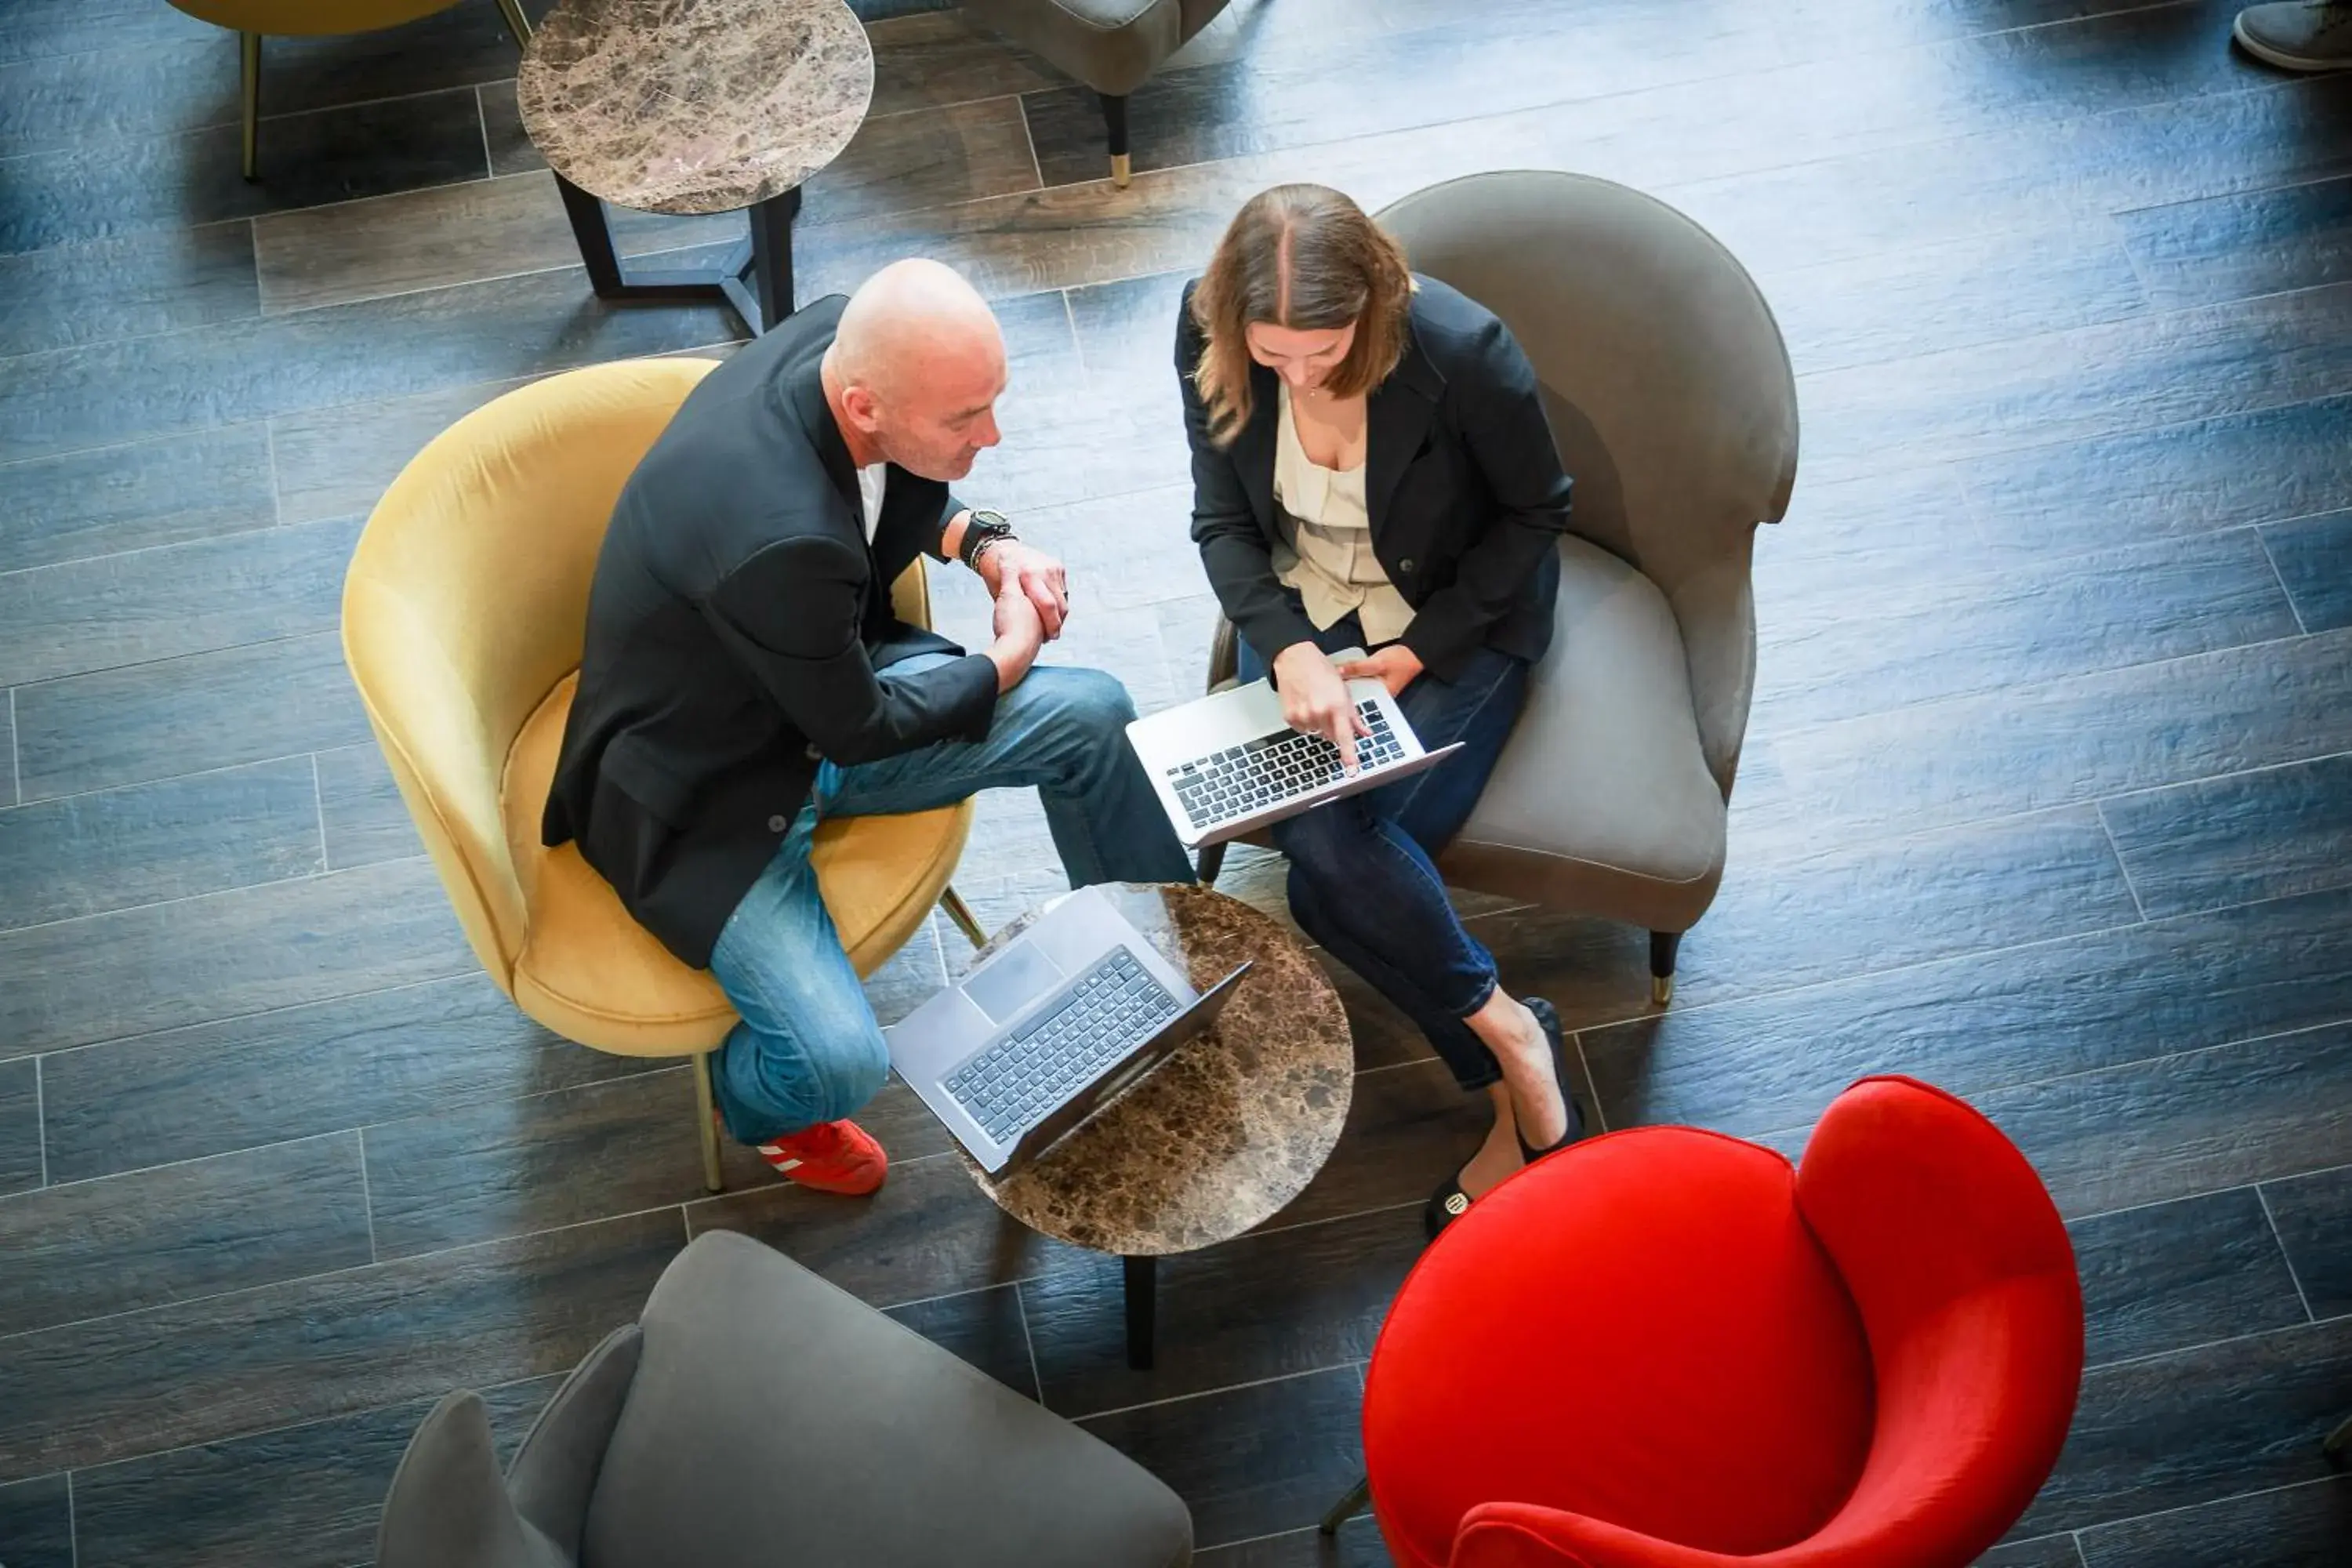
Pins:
x,y
808,1049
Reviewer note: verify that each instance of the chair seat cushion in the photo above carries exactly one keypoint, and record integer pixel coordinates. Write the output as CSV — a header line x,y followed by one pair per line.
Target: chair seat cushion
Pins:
x,y
1109,44
774,1418
1604,776
1641,1331
593,975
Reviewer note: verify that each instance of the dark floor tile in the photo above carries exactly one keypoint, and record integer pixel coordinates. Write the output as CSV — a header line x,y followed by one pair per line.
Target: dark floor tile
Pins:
x,y
2315,562
2077,386
20,1125
2077,740
306,1495
1983,288
1267,1306
181,487
375,349
508,1167
97,191
179,599
2308,1525
1826,653
2198,1426
8,796
160,280
2258,468
1408,1127
1358,1545
91,1249
190,714
984,1327
2314,1217
223,955
2145,1131
360,1339
338,462
204,832
1791,916
1975,1025
2262,835
35,29
928,1232
37,1524
1249,1462
300,1071
2177,1274
366,821
2049,1551
930,56
509,143
2227,248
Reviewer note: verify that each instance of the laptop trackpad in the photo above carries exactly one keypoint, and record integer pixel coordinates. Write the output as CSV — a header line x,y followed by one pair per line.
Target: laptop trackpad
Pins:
x,y
1023,974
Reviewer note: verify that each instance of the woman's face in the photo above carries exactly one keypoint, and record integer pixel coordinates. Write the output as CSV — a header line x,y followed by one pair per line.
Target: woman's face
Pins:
x,y
1302,357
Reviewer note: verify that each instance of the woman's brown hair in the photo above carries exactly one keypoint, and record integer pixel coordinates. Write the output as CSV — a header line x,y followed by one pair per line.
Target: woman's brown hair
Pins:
x,y
1306,258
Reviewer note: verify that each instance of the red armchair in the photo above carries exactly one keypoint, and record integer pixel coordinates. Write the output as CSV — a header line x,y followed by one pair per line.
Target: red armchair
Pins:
x,y
1666,1347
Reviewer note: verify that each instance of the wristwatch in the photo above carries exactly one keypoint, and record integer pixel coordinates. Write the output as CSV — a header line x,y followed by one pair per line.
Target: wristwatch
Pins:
x,y
981,530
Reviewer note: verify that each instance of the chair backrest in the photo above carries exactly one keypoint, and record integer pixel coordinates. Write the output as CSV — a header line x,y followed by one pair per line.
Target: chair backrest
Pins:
x,y
1666,379
467,598
310,18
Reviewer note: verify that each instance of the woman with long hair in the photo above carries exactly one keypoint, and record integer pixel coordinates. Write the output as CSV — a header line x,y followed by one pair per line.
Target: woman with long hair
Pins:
x,y
1371,471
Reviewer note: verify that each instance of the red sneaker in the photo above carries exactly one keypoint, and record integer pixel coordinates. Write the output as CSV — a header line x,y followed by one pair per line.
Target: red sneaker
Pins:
x,y
831,1157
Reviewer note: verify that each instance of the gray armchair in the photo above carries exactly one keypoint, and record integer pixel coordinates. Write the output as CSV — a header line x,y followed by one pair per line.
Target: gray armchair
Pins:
x,y
1670,394
755,1414
1111,46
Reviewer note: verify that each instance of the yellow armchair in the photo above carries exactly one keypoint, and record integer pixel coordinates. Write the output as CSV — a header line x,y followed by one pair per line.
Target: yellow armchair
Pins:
x,y
464,610
251,20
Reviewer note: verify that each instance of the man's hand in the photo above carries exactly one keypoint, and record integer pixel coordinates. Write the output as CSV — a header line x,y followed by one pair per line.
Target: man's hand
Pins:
x,y
1010,563
1315,701
1019,632
1394,666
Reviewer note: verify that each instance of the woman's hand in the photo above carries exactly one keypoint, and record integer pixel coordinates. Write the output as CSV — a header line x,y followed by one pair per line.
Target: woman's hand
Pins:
x,y
1395,667
1315,700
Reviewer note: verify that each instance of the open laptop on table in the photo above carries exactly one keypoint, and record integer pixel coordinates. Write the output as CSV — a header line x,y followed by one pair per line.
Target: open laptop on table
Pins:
x,y
1229,762
1014,1057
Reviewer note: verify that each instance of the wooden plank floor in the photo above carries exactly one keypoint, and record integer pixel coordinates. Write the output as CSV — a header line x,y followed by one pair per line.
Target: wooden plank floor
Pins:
x,y
2048,795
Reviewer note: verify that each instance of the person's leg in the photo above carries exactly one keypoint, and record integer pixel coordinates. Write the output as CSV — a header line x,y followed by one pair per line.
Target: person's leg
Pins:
x,y
807,1052
1063,731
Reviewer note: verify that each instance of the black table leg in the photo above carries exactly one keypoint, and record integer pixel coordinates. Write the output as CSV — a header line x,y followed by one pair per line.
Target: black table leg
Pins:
x,y
1142,1289
756,279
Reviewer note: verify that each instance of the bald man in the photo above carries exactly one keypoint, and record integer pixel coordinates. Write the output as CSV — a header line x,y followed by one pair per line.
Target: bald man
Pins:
x,y
743,678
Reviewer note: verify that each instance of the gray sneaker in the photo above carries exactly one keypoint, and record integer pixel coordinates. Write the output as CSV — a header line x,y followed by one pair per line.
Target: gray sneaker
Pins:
x,y
2298,34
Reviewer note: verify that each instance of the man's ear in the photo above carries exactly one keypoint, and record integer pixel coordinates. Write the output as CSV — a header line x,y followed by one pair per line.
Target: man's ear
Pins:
x,y
864,409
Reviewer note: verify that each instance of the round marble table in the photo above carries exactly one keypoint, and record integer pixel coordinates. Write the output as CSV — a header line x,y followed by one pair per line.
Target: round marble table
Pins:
x,y
695,106
1224,1133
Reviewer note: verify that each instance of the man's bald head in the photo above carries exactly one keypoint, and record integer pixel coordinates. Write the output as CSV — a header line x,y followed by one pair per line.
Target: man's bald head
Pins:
x,y
916,367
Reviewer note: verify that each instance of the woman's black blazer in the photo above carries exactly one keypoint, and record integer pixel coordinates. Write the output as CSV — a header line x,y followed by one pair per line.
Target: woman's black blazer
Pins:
x,y
1462,484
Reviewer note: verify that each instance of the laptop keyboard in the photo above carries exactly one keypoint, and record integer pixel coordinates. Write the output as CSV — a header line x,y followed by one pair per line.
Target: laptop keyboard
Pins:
x,y
1242,781
1089,1025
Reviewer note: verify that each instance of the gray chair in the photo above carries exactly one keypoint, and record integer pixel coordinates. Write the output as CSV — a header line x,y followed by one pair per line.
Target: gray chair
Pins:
x,y
755,1415
1111,46
1669,393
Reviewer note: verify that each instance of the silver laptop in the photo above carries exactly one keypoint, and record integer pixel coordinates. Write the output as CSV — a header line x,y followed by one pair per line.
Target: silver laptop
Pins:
x,y
1229,762
1017,1055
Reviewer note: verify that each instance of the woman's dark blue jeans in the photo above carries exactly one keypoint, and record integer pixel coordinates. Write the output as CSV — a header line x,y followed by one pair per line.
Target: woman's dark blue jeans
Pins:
x,y
1362,882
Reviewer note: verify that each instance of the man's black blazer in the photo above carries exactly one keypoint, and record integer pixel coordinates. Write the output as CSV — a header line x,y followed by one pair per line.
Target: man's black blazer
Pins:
x,y
738,630
1462,484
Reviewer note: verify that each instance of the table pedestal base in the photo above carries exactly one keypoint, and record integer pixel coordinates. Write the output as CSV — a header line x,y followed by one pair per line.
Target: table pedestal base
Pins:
x,y
756,280
1142,1302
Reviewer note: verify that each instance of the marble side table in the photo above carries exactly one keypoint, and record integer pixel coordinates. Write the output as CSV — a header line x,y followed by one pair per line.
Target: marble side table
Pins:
x,y
1221,1135
690,107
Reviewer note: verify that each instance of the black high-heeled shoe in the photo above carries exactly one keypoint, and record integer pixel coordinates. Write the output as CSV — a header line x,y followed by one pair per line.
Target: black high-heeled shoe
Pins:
x,y
1548,1019
1450,1203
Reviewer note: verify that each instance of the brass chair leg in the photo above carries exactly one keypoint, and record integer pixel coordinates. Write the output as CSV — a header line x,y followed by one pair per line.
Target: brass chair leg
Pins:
x,y
248,54
1662,947
517,23
706,1115
960,912
1347,1506
1114,110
